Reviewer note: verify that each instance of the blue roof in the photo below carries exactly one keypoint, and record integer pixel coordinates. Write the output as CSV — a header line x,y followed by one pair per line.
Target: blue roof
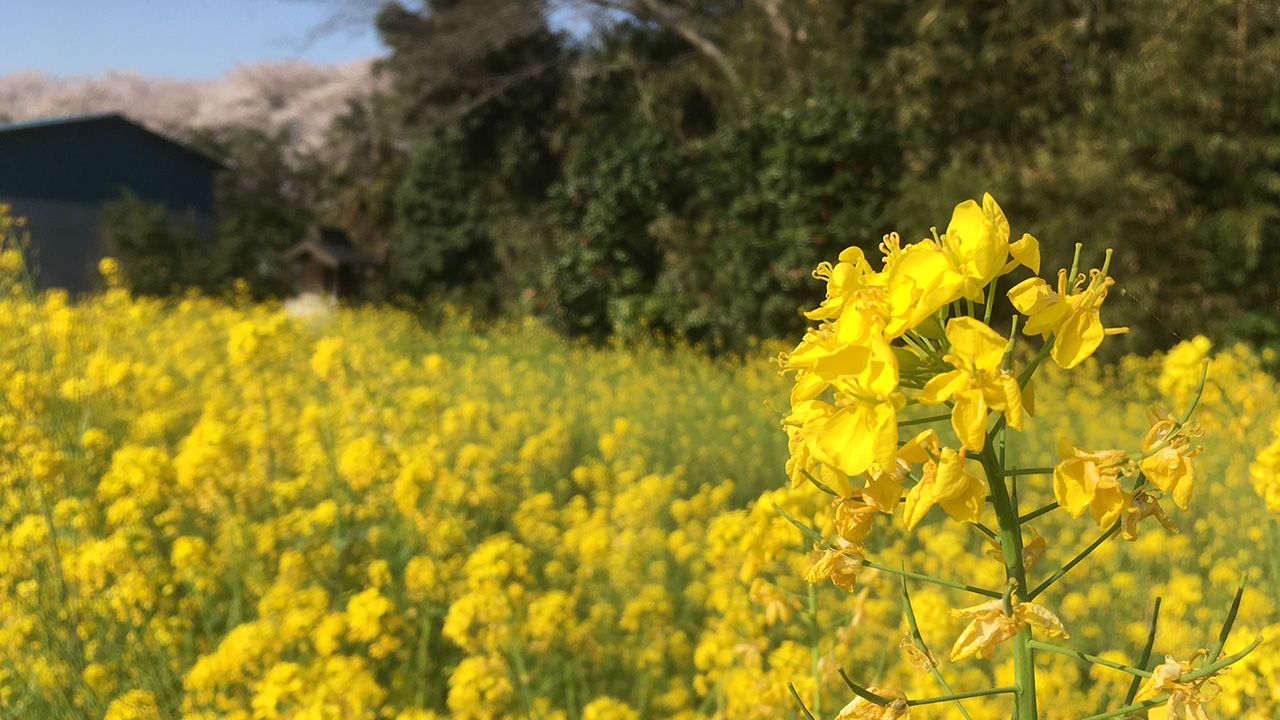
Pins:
x,y
12,127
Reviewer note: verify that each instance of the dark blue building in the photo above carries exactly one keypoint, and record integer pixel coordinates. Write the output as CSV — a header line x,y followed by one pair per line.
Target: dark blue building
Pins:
x,y
58,173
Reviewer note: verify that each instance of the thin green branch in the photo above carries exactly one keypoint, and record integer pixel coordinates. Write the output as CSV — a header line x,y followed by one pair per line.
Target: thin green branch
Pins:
x,y
1007,689
1048,647
814,534
1158,700
1146,653
911,342
804,708
1231,619
1006,362
1170,436
1213,667
818,483
924,420
1037,513
1025,376
1074,561
862,692
1011,472
936,581
991,301
984,530
933,668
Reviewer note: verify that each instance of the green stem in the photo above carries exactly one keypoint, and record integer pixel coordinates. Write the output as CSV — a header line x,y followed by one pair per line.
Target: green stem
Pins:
x,y
1047,647
818,483
1074,561
924,420
991,300
816,655
963,695
927,578
1229,621
985,530
1014,472
800,702
1011,543
1158,700
933,668
1037,513
1146,654
1213,667
862,692
1025,376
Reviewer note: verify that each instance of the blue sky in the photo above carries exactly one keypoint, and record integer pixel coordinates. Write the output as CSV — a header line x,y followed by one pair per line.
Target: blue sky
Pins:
x,y
180,39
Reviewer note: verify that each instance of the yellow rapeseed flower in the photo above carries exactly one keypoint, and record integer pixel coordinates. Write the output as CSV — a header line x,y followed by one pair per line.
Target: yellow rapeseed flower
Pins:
x,y
1090,479
1070,314
862,709
977,383
1169,464
990,627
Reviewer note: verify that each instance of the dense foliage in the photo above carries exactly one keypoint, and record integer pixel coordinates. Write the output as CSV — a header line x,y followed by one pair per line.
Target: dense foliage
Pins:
x,y
680,164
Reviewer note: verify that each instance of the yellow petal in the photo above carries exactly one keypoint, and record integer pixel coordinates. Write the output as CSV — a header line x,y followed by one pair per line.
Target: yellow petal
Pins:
x,y
822,568
1108,502
1040,619
1027,252
1012,401
846,440
853,520
834,479
974,342
941,387
885,443
1182,491
1080,334
967,506
1069,487
918,448
882,492
919,500
808,386
951,480
969,419
981,636
1032,296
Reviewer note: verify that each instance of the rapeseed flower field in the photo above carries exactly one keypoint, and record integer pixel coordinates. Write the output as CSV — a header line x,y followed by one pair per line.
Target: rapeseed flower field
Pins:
x,y
211,508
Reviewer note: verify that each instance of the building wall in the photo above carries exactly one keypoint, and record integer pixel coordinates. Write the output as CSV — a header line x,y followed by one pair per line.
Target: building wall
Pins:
x,y
92,161
59,174
66,240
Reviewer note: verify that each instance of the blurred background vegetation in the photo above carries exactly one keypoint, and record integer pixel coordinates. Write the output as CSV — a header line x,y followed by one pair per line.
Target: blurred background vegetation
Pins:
x,y
621,166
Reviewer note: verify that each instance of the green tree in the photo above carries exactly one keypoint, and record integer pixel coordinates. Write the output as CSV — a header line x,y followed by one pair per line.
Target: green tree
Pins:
x,y
159,253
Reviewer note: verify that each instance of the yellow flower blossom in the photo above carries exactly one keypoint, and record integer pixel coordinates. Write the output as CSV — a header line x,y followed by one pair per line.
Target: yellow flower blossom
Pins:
x,y
1071,315
841,563
1026,253
1090,479
1169,465
990,627
977,383
862,709
843,280
861,428
1188,696
853,518
943,481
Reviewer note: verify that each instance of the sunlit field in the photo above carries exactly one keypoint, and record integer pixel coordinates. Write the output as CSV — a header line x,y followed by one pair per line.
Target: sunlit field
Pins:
x,y
212,509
